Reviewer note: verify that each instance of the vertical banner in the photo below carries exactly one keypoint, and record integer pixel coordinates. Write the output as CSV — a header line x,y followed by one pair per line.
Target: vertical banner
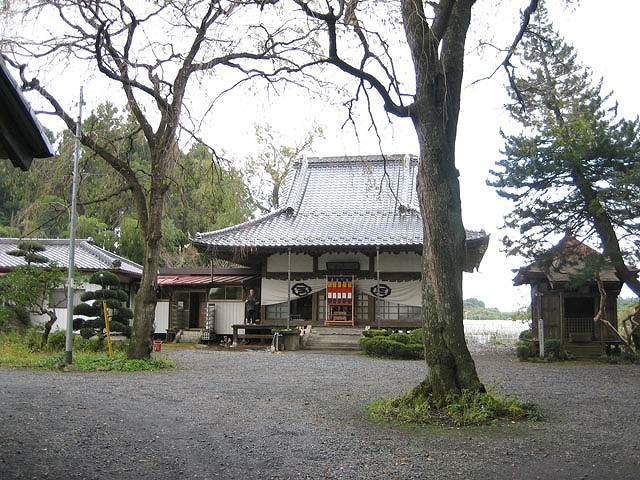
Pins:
x,y
339,290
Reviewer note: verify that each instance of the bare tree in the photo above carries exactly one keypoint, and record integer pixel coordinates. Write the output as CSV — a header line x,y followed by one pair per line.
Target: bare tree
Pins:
x,y
150,51
435,33
271,164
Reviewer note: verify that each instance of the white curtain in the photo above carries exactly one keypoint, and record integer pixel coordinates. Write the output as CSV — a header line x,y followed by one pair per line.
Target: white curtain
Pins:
x,y
275,291
403,293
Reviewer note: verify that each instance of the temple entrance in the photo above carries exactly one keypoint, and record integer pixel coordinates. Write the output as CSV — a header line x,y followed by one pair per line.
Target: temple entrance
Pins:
x,y
302,308
578,318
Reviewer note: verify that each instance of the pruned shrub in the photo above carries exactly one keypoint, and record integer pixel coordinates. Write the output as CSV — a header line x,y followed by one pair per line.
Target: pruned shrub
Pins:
x,y
375,332
554,350
417,336
386,347
525,350
400,337
526,335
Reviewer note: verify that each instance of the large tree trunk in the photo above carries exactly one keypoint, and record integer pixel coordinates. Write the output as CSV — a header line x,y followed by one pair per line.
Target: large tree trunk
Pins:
x,y
163,161
450,365
439,69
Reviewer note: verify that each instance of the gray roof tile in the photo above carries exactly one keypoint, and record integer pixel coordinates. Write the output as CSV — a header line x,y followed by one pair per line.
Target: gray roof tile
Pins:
x,y
337,201
87,256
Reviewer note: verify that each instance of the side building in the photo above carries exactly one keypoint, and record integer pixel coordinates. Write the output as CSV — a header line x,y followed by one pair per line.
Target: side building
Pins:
x,y
566,297
344,247
88,259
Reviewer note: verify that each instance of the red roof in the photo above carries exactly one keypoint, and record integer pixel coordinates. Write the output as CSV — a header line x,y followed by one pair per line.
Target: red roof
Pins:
x,y
164,280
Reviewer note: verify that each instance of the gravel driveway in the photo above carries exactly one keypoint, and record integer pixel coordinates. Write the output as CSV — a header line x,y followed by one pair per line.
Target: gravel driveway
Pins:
x,y
296,415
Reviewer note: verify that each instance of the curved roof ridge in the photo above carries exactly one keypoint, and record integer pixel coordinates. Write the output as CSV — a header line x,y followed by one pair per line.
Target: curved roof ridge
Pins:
x,y
243,225
106,256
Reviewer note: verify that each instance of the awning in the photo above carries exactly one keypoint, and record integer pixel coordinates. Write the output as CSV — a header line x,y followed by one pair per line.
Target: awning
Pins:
x,y
199,280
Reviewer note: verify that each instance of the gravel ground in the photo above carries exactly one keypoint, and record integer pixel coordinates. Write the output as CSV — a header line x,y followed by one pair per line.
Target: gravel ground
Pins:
x,y
298,415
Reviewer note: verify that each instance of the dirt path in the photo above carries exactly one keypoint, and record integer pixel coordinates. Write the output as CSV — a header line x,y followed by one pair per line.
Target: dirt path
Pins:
x,y
298,415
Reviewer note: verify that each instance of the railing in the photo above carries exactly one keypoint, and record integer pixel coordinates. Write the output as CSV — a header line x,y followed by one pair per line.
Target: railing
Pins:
x,y
578,325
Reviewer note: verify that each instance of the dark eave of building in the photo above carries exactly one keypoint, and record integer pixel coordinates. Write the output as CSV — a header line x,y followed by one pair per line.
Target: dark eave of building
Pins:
x,y
21,135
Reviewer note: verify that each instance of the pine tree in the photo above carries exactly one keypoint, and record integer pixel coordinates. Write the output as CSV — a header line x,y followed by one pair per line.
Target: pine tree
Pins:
x,y
27,288
574,165
119,314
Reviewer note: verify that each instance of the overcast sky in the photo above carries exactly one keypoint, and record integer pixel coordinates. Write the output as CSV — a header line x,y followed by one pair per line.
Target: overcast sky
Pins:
x,y
606,36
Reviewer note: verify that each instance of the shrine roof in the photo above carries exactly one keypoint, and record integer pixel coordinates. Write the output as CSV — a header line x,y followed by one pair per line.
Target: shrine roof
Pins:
x,y
338,202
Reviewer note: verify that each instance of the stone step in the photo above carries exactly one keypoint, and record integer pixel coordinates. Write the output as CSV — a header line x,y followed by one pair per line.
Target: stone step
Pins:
x,y
189,336
334,338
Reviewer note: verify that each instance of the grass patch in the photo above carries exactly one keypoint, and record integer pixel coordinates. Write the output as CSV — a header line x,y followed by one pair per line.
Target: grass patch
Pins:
x,y
22,351
466,409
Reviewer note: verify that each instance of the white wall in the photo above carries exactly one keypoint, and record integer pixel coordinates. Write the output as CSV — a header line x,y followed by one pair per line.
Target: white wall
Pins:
x,y
300,262
400,262
389,262
228,314
162,316
361,258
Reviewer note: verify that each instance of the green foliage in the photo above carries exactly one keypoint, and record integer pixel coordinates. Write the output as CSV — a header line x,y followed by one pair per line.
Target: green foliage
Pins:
x,y
473,302
13,319
574,166
554,350
205,194
386,347
624,357
400,338
98,230
477,408
30,251
525,349
526,335
19,350
9,232
475,309
131,242
464,409
119,363
374,332
28,287
417,335
269,167
57,340
626,306
104,278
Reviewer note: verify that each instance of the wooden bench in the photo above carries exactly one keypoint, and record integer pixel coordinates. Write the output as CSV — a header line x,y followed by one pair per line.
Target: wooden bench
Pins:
x,y
252,332
262,336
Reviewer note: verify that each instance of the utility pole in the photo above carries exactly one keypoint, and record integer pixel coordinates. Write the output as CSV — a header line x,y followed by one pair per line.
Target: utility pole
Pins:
x,y
72,238
288,287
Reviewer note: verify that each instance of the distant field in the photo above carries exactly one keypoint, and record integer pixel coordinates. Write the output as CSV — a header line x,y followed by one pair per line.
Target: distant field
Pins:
x,y
501,331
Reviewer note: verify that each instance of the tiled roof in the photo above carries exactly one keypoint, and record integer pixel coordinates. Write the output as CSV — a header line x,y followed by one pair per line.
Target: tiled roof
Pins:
x,y
87,256
563,262
337,202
